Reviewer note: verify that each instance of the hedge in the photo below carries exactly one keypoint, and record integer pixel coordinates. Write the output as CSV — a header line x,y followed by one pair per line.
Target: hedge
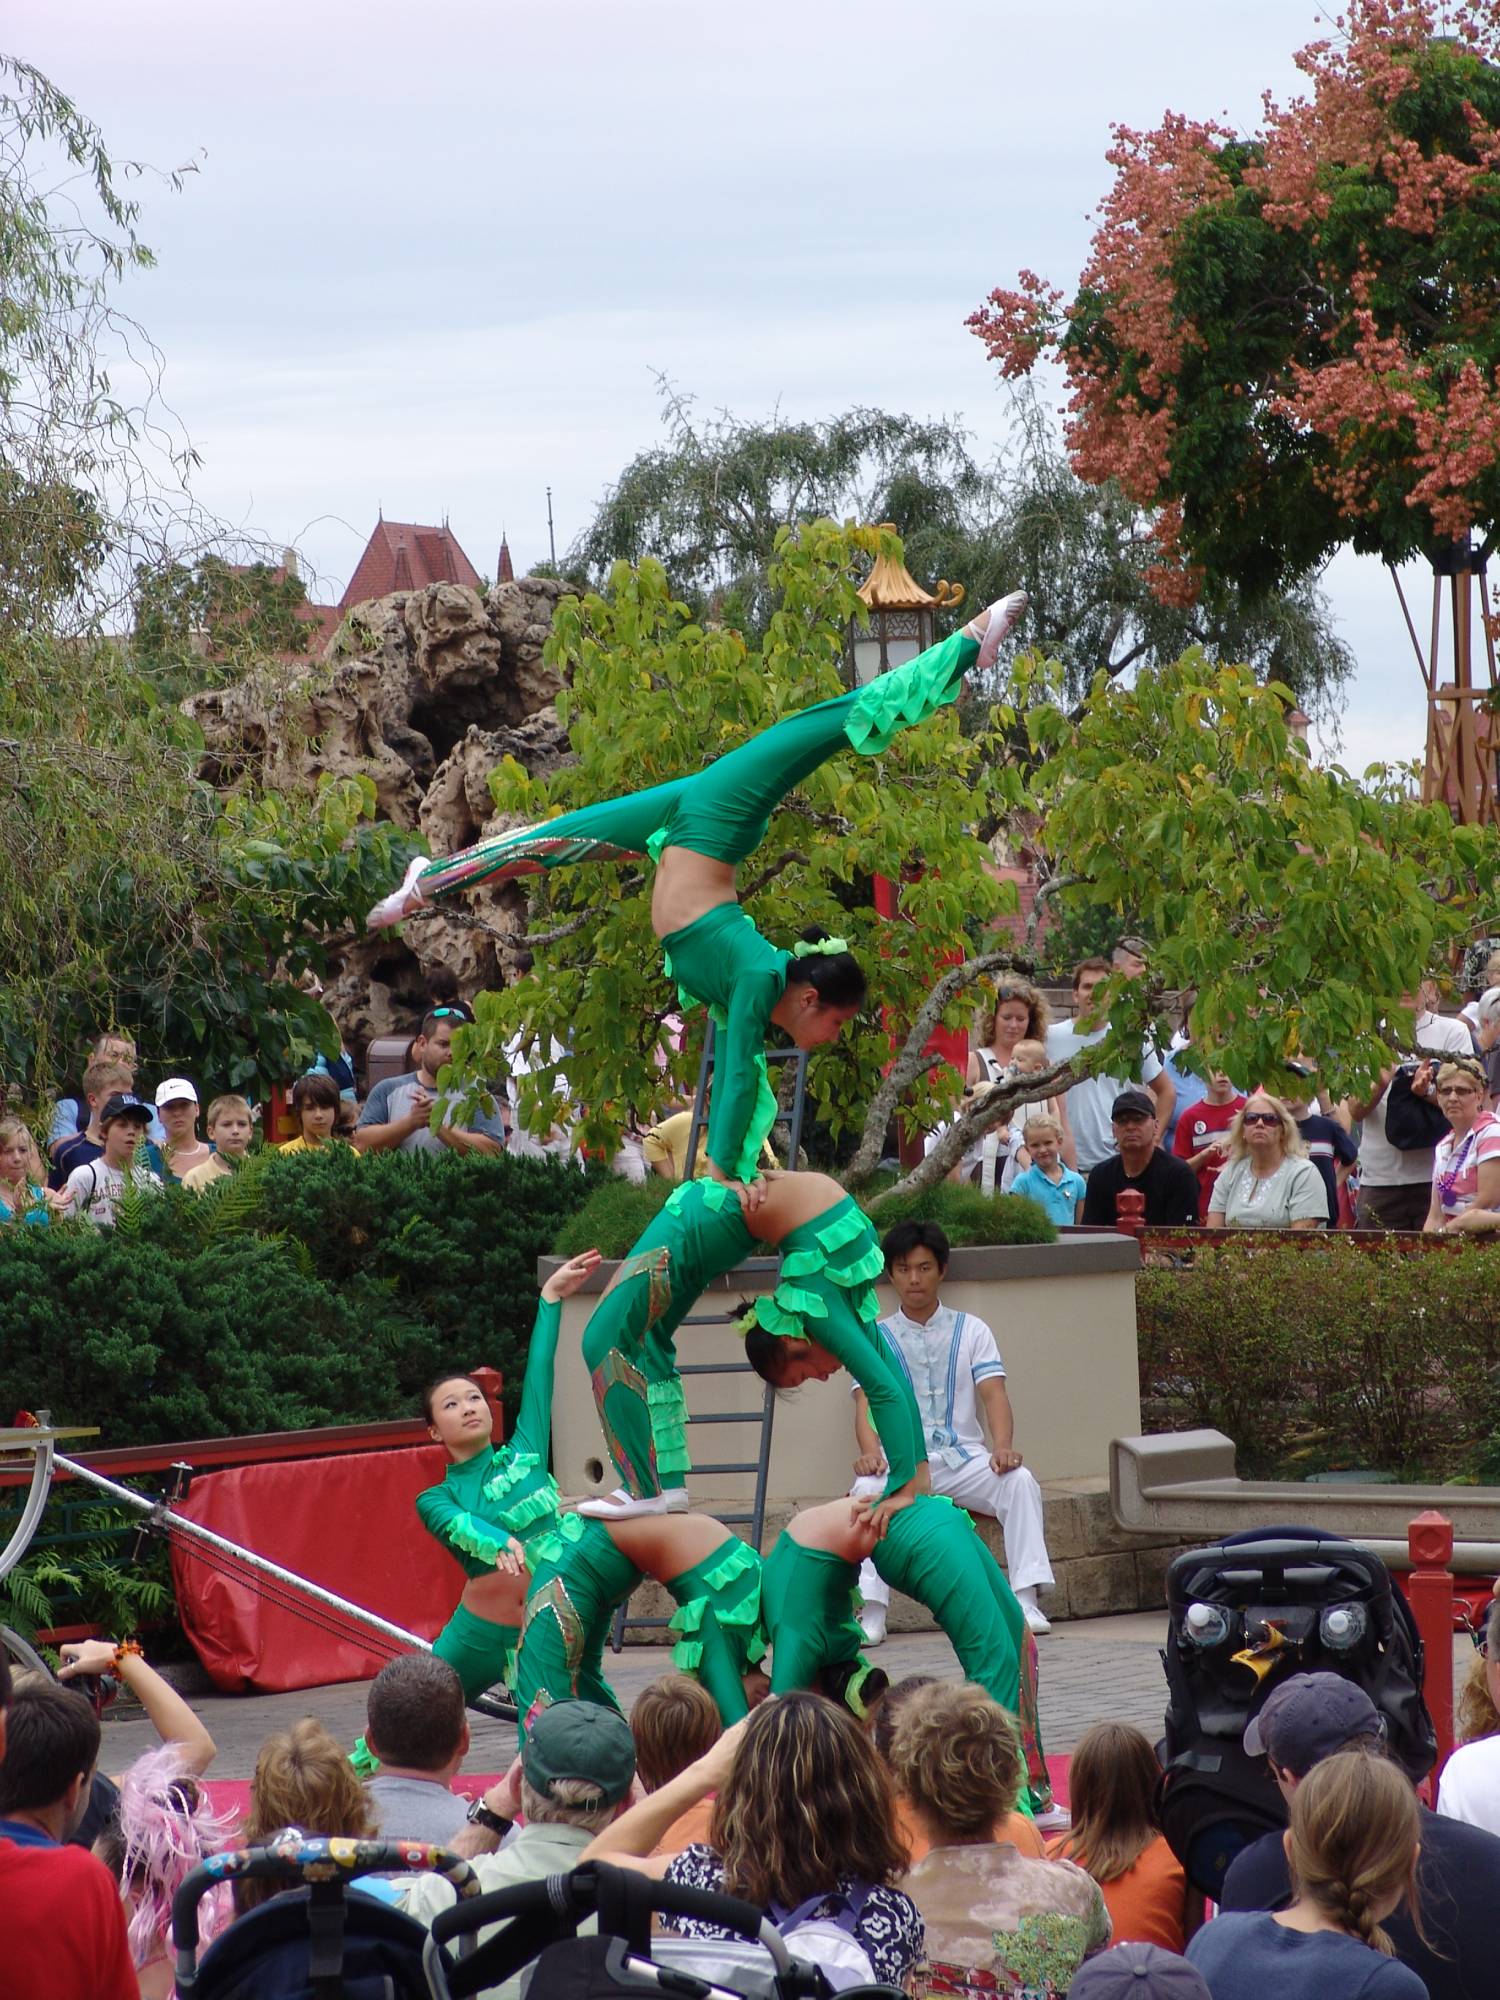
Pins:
x,y
615,1214
315,1289
1330,1357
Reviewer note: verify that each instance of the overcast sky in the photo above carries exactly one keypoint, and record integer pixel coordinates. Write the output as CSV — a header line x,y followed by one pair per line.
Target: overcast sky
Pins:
x,y
436,255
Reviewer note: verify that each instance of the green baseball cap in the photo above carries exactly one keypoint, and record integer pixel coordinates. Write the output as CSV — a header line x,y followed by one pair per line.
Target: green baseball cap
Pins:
x,y
579,1739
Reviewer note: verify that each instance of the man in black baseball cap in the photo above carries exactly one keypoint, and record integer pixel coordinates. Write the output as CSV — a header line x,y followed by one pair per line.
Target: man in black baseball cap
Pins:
x,y
1312,1716
1169,1185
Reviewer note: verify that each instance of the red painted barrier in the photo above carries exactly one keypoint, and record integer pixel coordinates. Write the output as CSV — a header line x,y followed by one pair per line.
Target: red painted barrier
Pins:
x,y
1429,1590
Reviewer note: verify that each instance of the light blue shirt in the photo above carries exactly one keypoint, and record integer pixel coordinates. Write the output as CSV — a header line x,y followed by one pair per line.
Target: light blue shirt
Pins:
x,y
1060,1198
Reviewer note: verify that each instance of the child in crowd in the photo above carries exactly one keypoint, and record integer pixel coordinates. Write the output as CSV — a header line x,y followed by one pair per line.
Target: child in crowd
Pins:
x,y
105,1077
21,1198
1111,1787
1058,1188
1353,1851
231,1126
177,1107
93,1189
1202,1134
315,1103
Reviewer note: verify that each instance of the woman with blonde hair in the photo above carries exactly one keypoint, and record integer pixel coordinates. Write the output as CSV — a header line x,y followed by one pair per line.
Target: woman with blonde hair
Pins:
x,y
1112,1781
304,1780
995,1920
1469,1788
1352,1847
22,1196
1267,1181
803,1827
1465,1165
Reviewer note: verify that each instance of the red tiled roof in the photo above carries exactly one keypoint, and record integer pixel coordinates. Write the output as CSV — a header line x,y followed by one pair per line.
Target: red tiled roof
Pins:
x,y
402,555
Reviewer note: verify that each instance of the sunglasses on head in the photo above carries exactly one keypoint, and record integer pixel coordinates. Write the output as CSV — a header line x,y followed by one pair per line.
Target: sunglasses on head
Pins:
x,y
449,1013
1260,1118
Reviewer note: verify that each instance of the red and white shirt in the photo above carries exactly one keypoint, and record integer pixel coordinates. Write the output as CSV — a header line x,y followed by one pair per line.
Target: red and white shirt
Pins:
x,y
1456,1163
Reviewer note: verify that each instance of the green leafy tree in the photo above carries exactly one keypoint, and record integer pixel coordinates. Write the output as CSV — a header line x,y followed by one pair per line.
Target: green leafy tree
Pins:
x,y
200,624
709,505
651,693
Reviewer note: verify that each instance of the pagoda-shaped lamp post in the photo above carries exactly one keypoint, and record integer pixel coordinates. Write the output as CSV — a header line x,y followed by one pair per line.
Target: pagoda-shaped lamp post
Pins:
x,y
901,626
901,617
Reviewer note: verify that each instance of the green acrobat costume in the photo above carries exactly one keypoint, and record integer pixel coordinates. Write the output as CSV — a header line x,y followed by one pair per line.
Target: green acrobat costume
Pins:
x,y
575,1593
502,1492
931,1550
824,1292
721,961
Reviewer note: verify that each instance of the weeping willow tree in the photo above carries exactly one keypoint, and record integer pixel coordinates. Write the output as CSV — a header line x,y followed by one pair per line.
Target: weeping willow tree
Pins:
x,y
130,892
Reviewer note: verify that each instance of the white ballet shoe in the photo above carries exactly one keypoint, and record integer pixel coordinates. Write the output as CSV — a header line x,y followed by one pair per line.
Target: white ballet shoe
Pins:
x,y
622,1506
1004,616
872,1623
401,902
1056,1819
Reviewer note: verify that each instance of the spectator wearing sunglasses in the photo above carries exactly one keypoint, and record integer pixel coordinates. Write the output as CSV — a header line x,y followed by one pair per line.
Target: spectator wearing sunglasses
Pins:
x,y
398,1111
1268,1181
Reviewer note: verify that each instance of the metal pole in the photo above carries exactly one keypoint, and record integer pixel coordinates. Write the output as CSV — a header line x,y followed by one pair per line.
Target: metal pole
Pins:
x,y
161,1513
551,537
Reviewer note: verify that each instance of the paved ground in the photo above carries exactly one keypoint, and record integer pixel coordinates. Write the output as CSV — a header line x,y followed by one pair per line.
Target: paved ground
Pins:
x,y
1093,1667
1090,1668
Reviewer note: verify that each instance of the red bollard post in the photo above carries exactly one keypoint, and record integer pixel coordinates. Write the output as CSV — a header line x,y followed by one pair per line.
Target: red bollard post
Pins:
x,y
1130,1211
1429,1542
493,1382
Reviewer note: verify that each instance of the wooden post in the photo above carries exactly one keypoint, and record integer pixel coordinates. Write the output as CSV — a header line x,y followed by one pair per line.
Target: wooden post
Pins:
x,y
1429,1542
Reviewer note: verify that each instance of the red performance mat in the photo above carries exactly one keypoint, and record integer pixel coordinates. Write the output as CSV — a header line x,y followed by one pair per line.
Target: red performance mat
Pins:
x,y
348,1523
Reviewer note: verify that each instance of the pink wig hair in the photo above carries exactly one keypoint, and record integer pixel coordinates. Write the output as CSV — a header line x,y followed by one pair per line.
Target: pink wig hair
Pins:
x,y
167,1825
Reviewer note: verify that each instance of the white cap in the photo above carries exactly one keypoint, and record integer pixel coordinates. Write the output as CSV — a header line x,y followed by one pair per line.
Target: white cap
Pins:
x,y
174,1090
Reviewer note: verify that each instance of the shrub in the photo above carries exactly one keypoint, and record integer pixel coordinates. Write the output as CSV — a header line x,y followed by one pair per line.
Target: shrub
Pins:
x,y
1331,1354
613,1217
966,1215
320,1288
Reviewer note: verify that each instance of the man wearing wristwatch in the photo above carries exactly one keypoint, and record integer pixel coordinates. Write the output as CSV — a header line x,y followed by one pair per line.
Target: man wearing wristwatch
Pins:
x,y
573,1776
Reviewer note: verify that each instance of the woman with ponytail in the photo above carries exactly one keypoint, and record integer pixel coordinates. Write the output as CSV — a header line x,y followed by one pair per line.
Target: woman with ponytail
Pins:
x,y
1352,1847
697,830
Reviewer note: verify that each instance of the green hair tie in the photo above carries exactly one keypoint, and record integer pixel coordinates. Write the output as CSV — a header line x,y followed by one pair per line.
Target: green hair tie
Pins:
x,y
820,947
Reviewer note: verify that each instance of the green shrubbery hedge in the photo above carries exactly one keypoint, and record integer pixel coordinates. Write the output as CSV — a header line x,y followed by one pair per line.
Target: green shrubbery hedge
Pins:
x,y
1330,1356
615,1214
315,1289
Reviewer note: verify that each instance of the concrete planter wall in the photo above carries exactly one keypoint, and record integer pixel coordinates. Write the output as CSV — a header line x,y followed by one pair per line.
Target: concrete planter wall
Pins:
x,y
1064,1317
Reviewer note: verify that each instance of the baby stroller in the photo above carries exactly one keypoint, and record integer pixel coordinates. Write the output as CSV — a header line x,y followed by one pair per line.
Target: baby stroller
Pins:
x,y
328,1939
541,1921
1244,1615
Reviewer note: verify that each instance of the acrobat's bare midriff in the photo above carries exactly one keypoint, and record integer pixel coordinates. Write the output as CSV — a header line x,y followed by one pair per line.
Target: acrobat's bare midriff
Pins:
x,y
686,886
792,1200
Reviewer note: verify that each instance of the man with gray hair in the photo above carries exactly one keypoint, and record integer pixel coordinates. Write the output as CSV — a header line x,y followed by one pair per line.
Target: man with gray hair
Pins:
x,y
574,1774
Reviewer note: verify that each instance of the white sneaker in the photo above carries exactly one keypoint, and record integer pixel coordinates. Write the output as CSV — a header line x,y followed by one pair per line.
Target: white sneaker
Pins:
x,y
392,908
1004,616
1036,1619
872,1622
623,1506
1056,1819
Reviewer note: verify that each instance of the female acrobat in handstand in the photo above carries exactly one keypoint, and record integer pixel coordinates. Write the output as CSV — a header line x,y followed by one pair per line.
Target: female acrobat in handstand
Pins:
x,y
697,829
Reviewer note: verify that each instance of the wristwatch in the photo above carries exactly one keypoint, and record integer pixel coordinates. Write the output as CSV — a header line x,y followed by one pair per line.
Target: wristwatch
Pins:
x,y
479,1814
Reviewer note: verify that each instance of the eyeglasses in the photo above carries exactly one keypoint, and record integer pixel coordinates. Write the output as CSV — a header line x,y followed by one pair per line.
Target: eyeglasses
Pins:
x,y
448,1013
1260,1118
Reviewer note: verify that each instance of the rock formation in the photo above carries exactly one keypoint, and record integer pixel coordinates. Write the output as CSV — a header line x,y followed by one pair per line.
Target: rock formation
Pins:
x,y
423,693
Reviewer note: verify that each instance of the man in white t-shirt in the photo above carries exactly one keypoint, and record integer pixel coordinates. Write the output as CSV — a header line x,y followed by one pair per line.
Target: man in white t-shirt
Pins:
x,y
1438,1034
958,1379
1090,1102
1469,1788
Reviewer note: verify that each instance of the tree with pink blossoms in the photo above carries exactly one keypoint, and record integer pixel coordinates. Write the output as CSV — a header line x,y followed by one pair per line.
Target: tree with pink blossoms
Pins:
x,y
1290,342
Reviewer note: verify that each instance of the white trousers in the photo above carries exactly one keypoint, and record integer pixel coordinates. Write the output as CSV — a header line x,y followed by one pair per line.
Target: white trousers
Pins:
x,y
1014,1499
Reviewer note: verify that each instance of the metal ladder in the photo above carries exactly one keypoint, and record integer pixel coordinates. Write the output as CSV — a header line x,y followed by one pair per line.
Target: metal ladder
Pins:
x,y
755,1518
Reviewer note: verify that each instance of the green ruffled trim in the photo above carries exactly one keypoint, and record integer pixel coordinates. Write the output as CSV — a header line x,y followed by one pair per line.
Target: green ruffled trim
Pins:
x,y
512,1468
654,845
894,701
737,1558
713,1194
667,1405
362,1759
787,1310
847,1228
470,1535
744,1614
547,1547
535,1509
